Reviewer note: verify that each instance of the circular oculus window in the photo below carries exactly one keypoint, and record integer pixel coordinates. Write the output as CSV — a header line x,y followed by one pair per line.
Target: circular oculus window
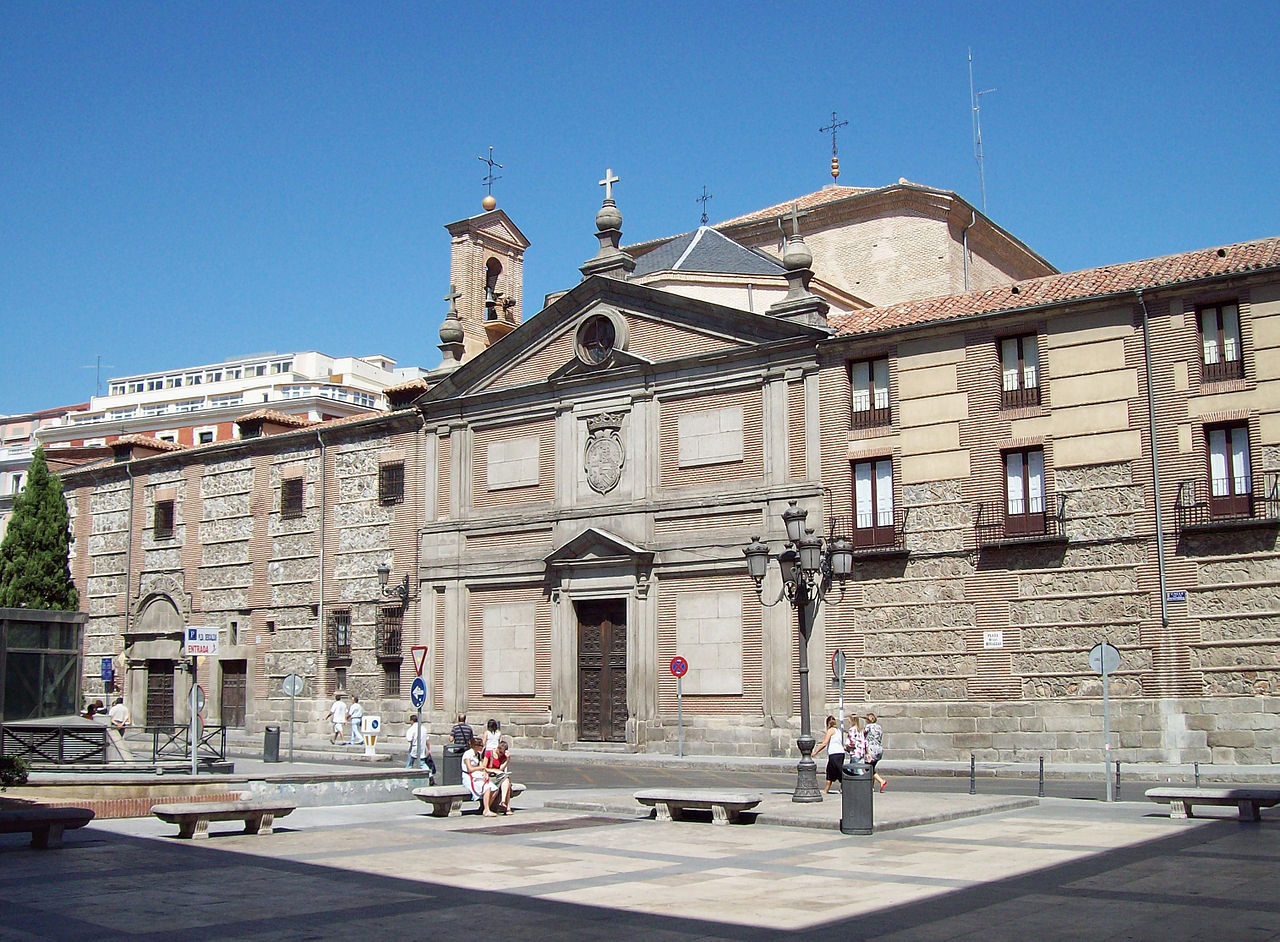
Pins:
x,y
597,338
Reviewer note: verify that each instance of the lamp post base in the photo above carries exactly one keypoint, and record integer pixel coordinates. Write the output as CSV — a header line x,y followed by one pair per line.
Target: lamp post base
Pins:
x,y
806,773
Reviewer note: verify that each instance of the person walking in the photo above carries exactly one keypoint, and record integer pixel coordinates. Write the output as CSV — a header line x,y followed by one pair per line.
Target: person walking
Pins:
x,y
833,742
417,736
119,715
337,713
874,736
355,713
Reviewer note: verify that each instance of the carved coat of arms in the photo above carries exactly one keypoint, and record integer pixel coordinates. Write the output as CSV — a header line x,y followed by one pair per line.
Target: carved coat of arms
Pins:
x,y
605,453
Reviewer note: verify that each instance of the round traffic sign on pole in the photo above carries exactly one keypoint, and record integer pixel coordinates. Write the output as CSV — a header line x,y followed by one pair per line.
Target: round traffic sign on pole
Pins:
x,y
199,699
418,693
1104,658
838,664
292,684
679,666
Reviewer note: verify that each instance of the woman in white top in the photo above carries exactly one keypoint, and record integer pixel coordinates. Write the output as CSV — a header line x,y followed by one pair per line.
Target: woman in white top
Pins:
x,y
473,774
833,742
492,735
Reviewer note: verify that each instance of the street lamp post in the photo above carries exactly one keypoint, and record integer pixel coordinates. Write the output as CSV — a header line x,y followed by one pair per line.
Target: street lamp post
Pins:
x,y
400,590
808,565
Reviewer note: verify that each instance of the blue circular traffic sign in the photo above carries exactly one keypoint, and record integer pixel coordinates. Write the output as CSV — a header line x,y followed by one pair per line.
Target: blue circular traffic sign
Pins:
x,y
418,693
679,666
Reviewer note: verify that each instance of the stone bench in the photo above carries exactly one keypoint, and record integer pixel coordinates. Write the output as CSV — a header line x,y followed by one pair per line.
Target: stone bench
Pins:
x,y
45,825
446,799
725,806
193,817
1248,799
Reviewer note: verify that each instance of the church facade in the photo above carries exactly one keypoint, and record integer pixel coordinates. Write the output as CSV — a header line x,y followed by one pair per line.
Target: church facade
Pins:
x,y
1025,463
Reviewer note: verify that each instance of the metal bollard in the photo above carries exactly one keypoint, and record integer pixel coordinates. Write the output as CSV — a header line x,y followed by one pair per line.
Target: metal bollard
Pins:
x,y
1117,798
1197,767
973,773
1040,792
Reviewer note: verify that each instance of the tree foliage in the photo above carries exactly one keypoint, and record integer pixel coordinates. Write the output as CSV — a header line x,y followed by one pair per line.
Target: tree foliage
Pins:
x,y
35,571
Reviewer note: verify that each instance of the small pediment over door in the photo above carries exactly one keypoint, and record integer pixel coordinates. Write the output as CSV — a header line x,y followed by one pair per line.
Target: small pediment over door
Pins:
x,y
594,547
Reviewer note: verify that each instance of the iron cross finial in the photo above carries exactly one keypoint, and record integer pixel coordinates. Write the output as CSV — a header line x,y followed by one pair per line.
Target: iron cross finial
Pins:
x,y
833,127
489,179
703,200
452,297
608,182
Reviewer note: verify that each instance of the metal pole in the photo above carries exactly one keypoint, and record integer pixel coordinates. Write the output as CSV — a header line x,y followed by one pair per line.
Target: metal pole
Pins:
x,y
421,759
840,711
1197,768
806,770
1040,792
1117,780
973,774
195,674
293,698
1106,725
680,717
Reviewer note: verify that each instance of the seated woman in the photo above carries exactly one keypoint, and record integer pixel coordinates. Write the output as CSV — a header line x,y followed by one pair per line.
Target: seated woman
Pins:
x,y
499,782
474,775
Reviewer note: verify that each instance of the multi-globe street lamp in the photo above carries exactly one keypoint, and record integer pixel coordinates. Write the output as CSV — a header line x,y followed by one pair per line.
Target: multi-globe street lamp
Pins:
x,y
808,564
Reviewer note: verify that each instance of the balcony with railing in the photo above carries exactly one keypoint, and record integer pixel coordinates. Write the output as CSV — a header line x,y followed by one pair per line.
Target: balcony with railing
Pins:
x,y
1222,371
1020,397
337,642
879,533
871,418
389,634
1207,504
1002,523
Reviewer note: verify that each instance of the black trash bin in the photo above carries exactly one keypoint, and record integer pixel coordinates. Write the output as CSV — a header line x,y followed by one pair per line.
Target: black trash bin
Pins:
x,y
451,767
856,816
271,744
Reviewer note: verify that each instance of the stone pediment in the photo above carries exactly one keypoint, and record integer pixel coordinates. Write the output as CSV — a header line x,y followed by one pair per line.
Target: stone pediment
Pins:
x,y
597,547
495,224
649,327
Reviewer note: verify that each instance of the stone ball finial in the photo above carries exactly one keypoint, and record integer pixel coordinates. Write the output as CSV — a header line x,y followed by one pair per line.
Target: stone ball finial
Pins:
x,y
797,255
489,203
451,330
609,217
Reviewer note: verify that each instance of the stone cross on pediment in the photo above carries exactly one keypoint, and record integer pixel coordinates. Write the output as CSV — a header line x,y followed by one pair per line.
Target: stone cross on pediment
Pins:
x,y
452,297
608,182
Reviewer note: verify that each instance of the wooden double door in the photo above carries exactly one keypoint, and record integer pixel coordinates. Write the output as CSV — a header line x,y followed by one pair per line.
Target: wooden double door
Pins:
x,y
602,670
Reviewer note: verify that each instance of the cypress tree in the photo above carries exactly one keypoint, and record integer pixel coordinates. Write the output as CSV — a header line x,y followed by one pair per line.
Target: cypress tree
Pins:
x,y
35,570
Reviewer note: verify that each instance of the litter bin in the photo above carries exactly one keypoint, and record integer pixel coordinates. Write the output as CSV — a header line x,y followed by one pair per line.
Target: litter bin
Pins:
x,y
856,815
271,744
451,769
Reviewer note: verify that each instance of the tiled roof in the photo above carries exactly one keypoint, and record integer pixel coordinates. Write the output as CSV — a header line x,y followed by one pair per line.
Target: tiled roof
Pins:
x,y
828,194
279,418
405,387
1068,286
705,250
146,442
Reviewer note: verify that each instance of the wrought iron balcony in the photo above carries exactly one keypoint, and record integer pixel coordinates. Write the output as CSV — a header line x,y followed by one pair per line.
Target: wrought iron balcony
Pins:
x,y
337,643
871,418
1020,398
1221,371
873,534
995,526
1205,504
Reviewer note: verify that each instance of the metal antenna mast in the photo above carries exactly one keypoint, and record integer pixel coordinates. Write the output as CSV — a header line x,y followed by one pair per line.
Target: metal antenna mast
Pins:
x,y
975,104
97,367
703,200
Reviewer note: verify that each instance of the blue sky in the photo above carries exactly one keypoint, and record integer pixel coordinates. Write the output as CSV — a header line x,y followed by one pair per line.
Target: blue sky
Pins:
x,y
185,182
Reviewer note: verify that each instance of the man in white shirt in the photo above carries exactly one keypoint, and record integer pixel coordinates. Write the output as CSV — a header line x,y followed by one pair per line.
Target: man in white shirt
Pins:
x,y
338,713
355,714
119,716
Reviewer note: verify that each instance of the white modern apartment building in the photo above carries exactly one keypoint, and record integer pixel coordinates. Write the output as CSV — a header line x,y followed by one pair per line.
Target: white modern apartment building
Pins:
x,y
17,439
199,405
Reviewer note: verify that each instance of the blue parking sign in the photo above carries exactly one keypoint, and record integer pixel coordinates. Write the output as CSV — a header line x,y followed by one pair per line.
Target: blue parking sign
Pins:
x,y
108,669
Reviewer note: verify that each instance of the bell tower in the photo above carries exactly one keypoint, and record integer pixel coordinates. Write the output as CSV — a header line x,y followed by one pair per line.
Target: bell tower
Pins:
x,y
486,264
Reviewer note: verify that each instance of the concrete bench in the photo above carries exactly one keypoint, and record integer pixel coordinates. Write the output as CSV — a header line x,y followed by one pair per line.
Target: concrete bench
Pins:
x,y
193,817
45,825
725,806
446,799
1248,799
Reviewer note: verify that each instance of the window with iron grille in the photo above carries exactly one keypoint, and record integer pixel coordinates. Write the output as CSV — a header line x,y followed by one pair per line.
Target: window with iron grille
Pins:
x,y
1220,349
338,642
391,483
162,528
869,400
291,498
1019,371
390,631
391,680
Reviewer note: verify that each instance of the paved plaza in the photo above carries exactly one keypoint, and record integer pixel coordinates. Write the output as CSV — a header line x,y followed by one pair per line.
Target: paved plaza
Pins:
x,y
1062,869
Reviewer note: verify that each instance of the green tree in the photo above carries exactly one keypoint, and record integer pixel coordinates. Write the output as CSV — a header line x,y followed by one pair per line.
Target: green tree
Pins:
x,y
34,558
